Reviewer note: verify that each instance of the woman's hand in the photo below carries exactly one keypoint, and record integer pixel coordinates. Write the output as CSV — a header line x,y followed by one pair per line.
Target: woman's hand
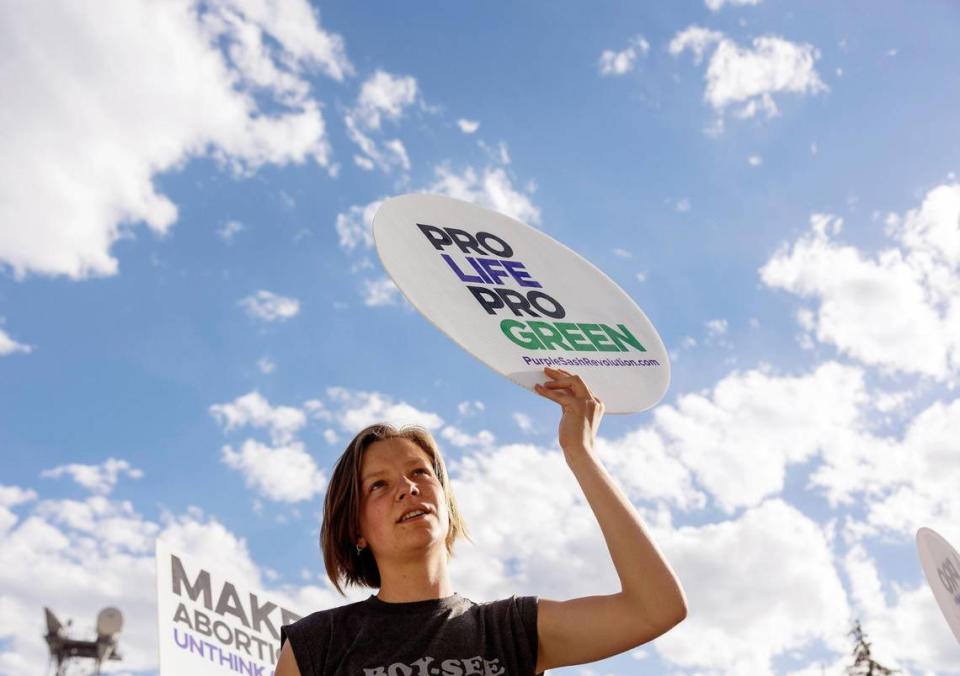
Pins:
x,y
582,411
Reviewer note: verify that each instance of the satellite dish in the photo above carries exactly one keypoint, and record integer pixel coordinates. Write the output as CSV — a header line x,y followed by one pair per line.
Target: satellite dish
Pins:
x,y
518,300
54,626
109,622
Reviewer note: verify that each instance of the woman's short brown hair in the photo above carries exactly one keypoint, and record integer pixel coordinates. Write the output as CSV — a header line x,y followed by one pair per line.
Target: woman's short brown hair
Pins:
x,y
341,508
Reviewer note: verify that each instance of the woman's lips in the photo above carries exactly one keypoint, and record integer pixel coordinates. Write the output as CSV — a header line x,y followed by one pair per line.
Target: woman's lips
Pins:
x,y
416,518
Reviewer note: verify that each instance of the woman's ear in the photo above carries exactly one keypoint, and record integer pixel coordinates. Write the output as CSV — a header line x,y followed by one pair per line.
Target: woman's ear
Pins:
x,y
361,542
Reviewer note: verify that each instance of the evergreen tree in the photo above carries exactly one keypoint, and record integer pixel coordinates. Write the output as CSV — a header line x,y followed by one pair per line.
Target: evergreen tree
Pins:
x,y
863,662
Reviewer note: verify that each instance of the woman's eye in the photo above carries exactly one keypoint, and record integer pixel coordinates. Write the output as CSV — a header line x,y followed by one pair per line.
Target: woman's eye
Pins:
x,y
376,484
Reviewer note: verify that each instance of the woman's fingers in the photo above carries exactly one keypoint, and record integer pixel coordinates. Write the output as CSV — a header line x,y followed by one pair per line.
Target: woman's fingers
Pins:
x,y
558,396
566,379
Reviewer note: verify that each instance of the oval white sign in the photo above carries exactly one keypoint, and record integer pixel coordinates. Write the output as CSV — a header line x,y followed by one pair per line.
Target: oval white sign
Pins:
x,y
941,566
519,300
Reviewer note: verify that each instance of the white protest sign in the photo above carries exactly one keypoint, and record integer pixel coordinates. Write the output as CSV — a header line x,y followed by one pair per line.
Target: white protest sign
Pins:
x,y
519,300
210,625
941,565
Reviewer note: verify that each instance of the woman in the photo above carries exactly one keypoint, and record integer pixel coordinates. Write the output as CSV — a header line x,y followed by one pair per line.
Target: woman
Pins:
x,y
390,521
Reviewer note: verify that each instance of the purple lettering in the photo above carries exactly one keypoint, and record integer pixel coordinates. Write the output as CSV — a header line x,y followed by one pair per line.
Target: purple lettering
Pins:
x,y
462,275
228,658
516,269
186,639
491,265
479,269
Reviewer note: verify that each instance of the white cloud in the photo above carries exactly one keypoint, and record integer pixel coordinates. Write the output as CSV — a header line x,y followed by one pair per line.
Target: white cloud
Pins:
x,y
649,470
469,408
9,346
229,229
748,77
11,496
99,479
899,309
283,473
739,440
742,75
683,205
364,162
523,421
695,38
556,550
85,144
461,439
468,126
379,292
399,152
899,484
391,155
270,307
355,409
384,95
717,327
253,410
266,365
355,226
760,586
491,188
622,253
754,160
717,5
499,155
548,551
622,62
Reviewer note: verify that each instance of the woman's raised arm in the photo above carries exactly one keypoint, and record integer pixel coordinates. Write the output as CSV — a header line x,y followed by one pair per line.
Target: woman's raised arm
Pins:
x,y
651,600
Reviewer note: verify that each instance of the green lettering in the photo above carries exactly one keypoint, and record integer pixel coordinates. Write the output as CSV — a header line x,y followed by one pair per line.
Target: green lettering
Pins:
x,y
525,339
621,338
598,338
572,333
548,335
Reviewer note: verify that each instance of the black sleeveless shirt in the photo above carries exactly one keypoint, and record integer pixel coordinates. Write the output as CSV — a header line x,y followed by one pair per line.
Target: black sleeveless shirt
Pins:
x,y
452,636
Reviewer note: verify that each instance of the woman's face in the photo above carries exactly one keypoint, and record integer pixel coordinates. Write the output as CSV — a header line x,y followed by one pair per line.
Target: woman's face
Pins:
x,y
396,478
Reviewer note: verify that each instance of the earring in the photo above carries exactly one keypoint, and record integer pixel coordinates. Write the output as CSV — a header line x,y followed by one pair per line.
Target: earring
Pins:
x,y
359,550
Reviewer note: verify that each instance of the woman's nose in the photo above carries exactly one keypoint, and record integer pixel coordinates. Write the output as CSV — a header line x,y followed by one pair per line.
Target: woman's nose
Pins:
x,y
408,486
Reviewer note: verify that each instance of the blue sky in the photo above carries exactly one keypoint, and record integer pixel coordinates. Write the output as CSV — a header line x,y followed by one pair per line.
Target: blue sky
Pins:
x,y
188,296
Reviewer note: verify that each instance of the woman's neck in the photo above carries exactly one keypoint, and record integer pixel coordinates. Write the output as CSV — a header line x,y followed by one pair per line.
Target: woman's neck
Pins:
x,y
415,580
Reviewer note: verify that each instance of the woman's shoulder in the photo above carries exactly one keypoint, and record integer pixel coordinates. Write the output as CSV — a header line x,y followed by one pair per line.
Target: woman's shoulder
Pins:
x,y
319,622
514,602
